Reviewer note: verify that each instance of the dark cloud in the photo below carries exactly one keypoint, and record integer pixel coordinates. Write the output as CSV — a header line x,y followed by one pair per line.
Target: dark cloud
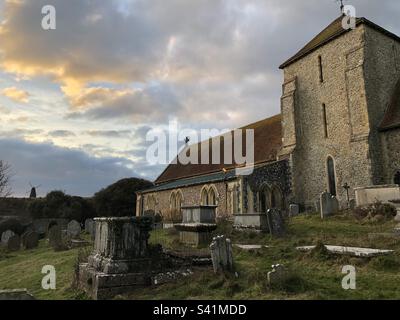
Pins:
x,y
59,168
61,133
209,63
109,133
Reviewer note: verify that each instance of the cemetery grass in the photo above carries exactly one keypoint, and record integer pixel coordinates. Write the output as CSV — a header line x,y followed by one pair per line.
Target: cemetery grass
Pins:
x,y
22,269
311,276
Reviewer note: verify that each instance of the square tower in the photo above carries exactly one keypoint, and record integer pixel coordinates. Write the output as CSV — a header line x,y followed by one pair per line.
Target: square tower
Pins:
x,y
334,97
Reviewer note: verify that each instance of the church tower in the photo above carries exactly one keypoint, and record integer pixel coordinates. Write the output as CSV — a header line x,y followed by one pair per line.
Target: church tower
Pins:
x,y
335,103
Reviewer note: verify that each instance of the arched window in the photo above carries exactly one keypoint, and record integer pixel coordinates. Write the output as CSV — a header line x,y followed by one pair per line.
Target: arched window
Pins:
x,y
397,178
172,201
212,199
178,201
204,197
276,198
331,176
265,199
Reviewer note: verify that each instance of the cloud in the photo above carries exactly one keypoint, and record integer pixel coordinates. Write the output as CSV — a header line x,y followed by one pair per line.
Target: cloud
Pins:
x,y
60,168
16,94
4,110
61,133
109,133
121,64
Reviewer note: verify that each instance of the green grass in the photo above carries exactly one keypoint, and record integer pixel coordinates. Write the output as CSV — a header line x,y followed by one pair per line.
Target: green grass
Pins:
x,y
312,276
23,269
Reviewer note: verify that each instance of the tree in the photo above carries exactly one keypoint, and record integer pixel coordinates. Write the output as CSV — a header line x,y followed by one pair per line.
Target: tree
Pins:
x,y
5,177
57,204
119,199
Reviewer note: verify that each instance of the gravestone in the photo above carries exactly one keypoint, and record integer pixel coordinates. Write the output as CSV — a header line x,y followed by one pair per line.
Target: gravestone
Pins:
x,y
14,243
294,210
89,227
122,259
55,239
276,223
24,236
5,236
278,275
221,254
329,205
74,229
31,240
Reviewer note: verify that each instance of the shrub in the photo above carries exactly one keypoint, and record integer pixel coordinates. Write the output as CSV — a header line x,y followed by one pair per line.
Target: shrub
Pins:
x,y
377,211
11,224
119,199
57,204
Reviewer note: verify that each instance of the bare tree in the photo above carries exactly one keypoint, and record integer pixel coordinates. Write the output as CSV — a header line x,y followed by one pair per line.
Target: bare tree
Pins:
x,y
5,177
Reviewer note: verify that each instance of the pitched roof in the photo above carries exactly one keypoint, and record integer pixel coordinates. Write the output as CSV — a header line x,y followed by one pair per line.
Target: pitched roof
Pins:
x,y
330,33
391,120
267,143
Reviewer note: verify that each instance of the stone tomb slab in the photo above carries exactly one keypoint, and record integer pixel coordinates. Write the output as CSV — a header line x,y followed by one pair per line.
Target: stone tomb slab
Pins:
x,y
250,247
353,251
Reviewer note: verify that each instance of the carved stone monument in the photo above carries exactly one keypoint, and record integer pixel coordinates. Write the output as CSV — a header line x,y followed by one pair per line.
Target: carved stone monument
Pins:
x,y
121,259
197,224
221,254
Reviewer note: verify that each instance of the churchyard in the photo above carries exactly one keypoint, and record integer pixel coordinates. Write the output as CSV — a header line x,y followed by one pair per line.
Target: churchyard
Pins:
x,y
315,274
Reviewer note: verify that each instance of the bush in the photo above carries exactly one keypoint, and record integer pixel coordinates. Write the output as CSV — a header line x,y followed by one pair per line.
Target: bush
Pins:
x,y
11,224
377,212
57,204
119,199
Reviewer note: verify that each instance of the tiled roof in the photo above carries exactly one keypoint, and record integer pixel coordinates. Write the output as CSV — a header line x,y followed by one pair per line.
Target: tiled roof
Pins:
x,y
185,182
391,120
267,143
330,33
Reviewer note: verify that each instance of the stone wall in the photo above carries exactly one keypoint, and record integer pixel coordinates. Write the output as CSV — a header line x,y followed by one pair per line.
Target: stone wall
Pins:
x,y
391,147
344,92
191,197
382,72
276,174
240,195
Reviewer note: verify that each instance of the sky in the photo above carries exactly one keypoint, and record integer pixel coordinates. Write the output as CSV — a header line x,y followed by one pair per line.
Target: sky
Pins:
x,y
77,102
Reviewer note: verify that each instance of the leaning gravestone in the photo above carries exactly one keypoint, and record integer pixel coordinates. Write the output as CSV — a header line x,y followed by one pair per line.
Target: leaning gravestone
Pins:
x,y
74,229
55,239
329,205
278,275
5,236
31,240
221,254
276,223
14,243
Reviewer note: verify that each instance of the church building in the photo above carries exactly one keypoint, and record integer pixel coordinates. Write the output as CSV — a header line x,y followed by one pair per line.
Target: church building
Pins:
x,y
339,125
